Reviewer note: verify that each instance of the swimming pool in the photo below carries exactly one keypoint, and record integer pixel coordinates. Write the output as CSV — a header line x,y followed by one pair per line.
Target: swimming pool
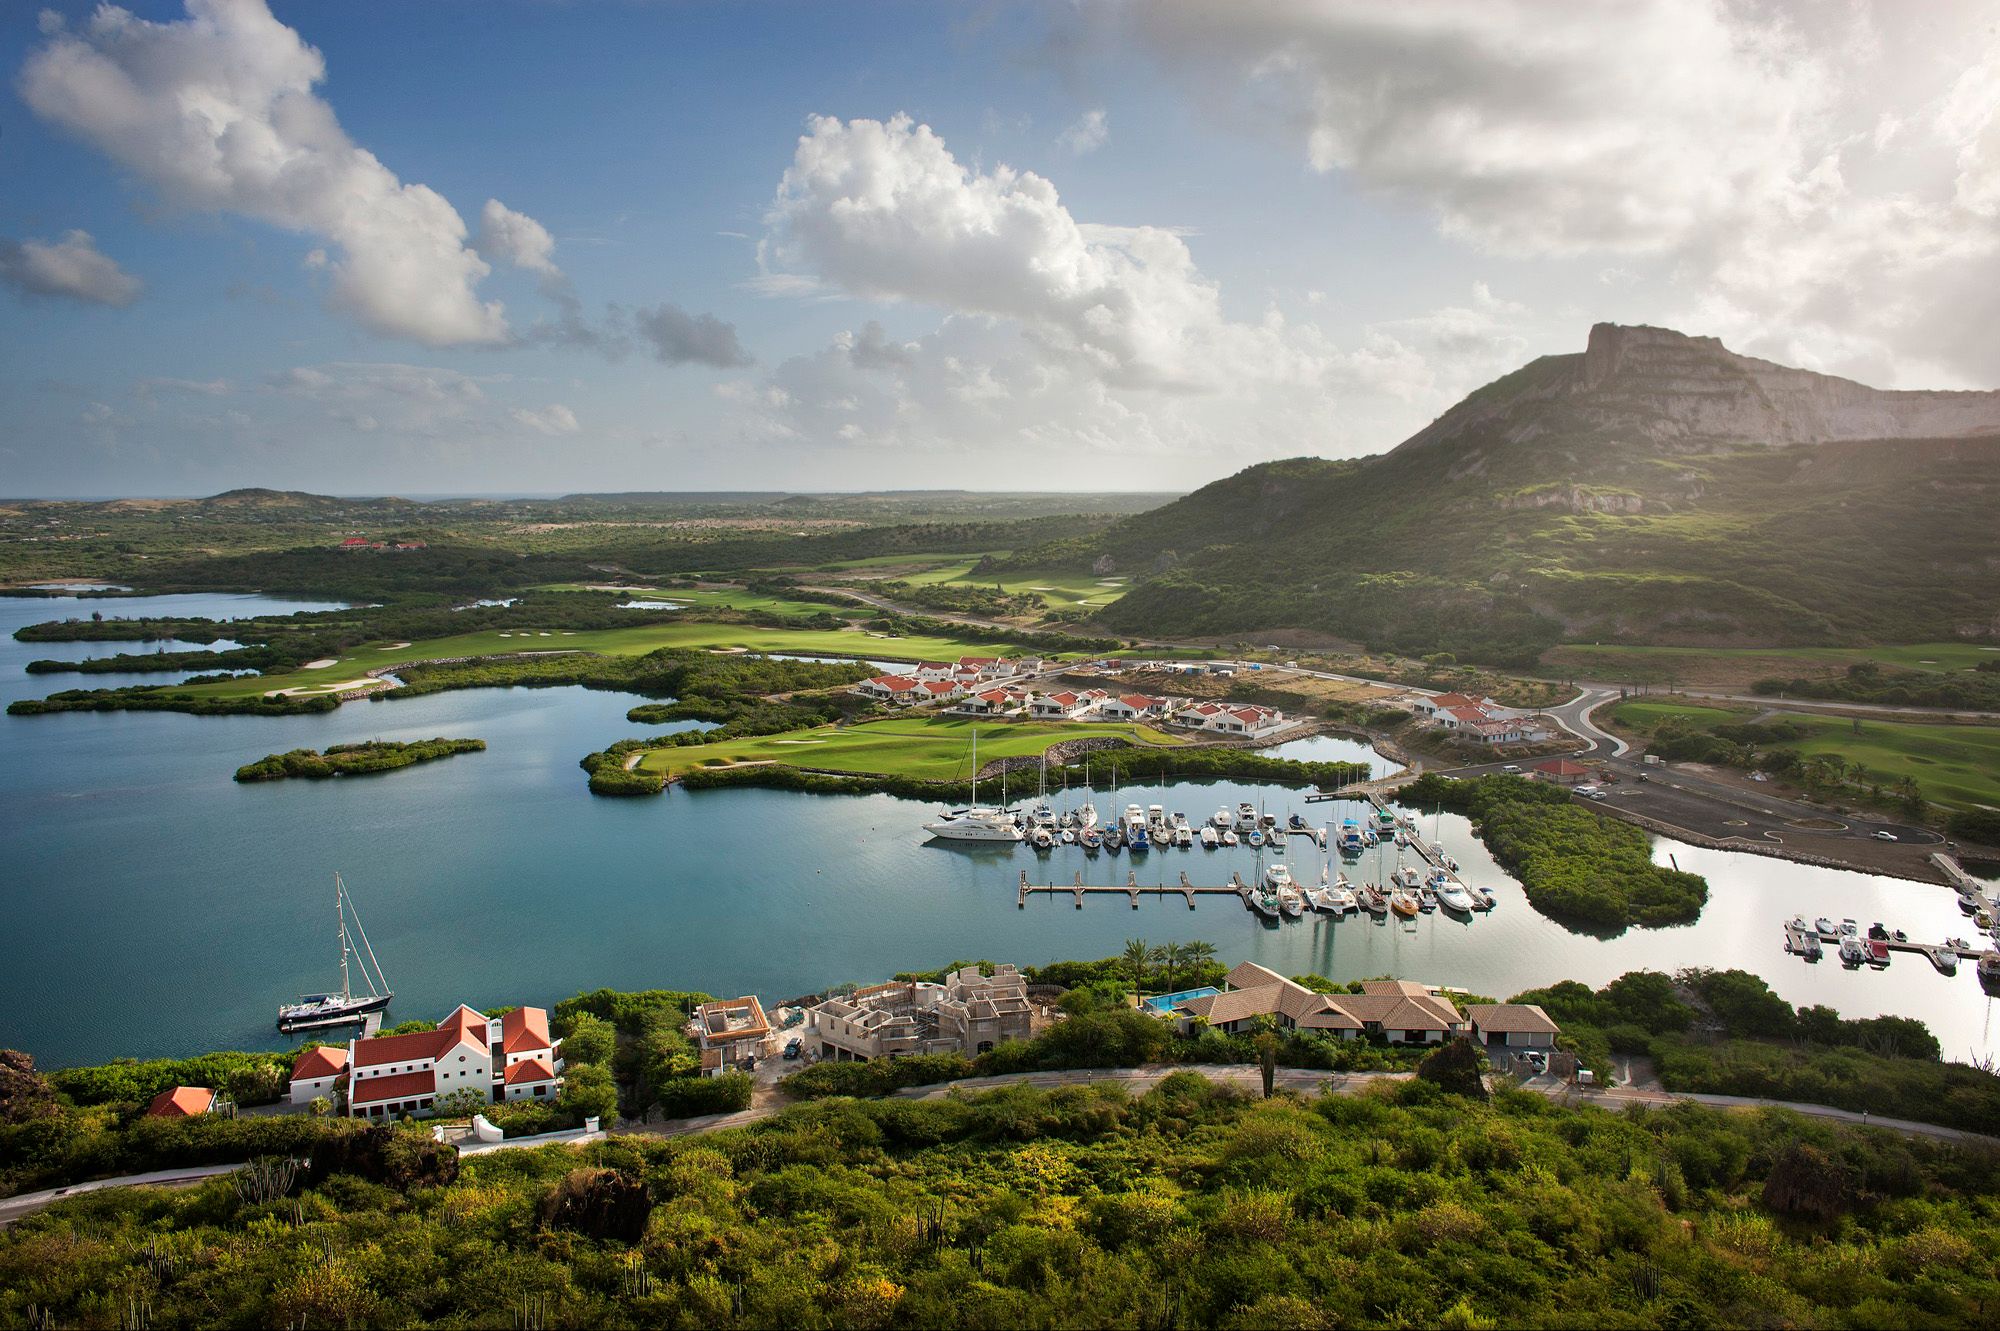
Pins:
x,y
1165,1002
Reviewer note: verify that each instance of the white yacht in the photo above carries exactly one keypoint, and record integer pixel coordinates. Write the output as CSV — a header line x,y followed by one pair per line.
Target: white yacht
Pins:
x,y
1277,875
1246,818
1086,816
1209,840
1222,820
1453,897
975,822
346,1008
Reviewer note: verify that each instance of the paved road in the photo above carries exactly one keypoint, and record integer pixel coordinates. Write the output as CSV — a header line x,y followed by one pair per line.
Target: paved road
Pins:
x,y
27,1203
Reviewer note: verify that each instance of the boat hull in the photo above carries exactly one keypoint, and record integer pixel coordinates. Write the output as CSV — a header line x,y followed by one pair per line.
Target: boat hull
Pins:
x,y
347,1014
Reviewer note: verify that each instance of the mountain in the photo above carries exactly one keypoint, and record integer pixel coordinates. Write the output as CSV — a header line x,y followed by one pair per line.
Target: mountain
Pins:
x,y
1655,487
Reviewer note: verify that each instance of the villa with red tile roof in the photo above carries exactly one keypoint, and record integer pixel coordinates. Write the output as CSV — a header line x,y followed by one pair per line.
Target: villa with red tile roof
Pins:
x,y
890,688
182,1102
388,1076
1062,706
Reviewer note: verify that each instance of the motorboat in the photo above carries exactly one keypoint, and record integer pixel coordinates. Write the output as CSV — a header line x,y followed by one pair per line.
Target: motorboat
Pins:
x,y
1482,898
1209,840
1092,839
1404,904
1229,837
1068,836
1134,817
1296,823
1824,928
1292,903
1370,898
1246,817
1368,837
1042,816
1427,900
1136,838
1350,837
1849,929
1988,970
1450,864
1878,952
1041,838
1385,823
1266,904
1454,897
1878,930
1184,836
1156,819
346,1008
1267,820
1853,952
1221,818
1255,836
1179,821
1803,943
1114,839
1277,875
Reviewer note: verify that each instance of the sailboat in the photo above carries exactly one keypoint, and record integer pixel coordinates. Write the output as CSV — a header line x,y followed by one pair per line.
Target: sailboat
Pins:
x,y
345,1008
974,823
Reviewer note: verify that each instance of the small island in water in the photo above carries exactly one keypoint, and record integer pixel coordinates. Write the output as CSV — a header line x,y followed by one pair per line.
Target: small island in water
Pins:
x,y
375,755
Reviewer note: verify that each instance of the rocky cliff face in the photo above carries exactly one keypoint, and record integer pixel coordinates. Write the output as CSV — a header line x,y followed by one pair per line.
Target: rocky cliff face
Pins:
x,y
1667,387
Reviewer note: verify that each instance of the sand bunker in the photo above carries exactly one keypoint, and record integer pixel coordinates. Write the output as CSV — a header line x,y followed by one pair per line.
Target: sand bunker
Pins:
x,y
321,664
395,646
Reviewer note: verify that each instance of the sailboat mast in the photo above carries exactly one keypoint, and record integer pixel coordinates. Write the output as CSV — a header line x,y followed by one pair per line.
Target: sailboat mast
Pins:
x,y
379,984
340,914
975,768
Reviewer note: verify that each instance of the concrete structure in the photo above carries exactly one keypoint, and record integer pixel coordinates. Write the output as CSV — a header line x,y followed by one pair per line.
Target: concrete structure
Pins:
x,y
1512,1026
501,1058
1562,770
968,1014
1399,1011
317,1073
729,1030
182,1102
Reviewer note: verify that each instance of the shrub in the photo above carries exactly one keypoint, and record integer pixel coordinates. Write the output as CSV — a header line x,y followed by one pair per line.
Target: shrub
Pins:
x,y
692,1097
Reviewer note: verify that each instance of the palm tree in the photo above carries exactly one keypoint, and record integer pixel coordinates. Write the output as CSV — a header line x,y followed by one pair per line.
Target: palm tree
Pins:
x,y
1197,954
1175,957
1138,956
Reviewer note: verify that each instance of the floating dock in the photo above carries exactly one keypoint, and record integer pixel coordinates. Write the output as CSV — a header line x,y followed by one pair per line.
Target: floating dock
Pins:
x,y
1812,944
1133,889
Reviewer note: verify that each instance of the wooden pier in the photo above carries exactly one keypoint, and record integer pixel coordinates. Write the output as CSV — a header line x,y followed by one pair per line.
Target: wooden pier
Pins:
x,y
1132,890
1811,944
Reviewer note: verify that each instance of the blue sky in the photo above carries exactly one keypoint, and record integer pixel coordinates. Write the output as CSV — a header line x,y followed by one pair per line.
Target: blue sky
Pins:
x,y
815,246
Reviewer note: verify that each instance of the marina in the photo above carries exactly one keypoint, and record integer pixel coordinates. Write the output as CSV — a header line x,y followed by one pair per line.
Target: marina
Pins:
x,y
511,881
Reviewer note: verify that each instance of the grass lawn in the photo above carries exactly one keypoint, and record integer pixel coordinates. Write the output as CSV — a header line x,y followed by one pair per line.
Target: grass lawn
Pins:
x,y
929,748
708,598
656,630
1058,591
1957,766
1739,667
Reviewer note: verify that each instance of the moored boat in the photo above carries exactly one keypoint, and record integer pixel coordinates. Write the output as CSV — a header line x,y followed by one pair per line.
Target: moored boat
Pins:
x,y
1209,840
1404,904
346,1008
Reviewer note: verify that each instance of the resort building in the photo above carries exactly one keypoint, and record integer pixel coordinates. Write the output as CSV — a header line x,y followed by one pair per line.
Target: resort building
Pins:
x,y
1399,1011
993,702
182,1102
1561,770
1131,707
317,1073
1234,719
1479,719
501,1058
729,1030
889,688
1064,706
969,1013
939,690
1512,1026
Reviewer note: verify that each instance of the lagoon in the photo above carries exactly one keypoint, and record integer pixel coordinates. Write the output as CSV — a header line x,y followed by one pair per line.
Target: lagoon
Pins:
x,y
155,906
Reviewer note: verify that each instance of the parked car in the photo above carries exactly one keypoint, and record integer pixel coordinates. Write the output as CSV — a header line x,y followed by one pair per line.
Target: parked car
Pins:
x,y
1512,769
793,1047
1883,836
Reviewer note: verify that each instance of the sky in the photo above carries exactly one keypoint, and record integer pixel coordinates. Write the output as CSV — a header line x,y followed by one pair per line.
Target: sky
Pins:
x,y
529,246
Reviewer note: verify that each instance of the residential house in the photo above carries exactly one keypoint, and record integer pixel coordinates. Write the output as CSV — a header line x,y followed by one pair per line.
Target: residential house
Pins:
x,y
939,690
889,688
182,1102
1512,1026
1063,706
1131,707
931,670
969,1013
1398,1011
316,1073
729,1030
1246,720
993,702
502,1058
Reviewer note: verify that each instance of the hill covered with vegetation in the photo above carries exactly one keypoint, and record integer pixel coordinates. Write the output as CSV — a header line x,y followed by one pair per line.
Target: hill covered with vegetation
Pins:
x,y
1673,493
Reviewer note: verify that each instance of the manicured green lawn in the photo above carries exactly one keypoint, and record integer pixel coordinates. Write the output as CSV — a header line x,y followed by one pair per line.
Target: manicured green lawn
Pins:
x,y
658,629
1643,714
707,598
1057,591
928,748
1957,766
1653,665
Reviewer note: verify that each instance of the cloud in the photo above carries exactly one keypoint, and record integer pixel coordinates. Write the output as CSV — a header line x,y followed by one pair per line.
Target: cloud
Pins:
x,y
194,387
1817,183
425,400
72,268
217,112
1085,135
883,211
518,239
679,338
553,419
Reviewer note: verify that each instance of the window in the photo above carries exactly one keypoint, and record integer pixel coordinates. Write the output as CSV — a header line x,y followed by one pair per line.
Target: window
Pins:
x,y
541,1090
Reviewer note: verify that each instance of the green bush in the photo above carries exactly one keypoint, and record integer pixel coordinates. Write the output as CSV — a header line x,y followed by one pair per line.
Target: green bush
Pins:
x,y
693,1097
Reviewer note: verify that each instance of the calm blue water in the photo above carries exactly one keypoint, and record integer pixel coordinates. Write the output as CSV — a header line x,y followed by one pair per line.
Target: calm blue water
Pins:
x,y
154,906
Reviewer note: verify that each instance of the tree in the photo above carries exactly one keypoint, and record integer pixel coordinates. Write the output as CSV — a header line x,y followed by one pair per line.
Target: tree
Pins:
x,y
1174,957
461,1103
588,1092
1458,1066
588,1039
1267,1060
1198,955
1137,957
320,1107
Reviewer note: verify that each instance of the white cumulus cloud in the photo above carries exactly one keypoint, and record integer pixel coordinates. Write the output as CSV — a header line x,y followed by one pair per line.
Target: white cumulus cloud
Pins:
x,y
72,267
1086,134
217,111
553,419
518,239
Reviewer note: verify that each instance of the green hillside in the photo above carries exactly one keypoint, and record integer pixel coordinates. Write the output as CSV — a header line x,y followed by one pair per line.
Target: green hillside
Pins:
x,y
1543,510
